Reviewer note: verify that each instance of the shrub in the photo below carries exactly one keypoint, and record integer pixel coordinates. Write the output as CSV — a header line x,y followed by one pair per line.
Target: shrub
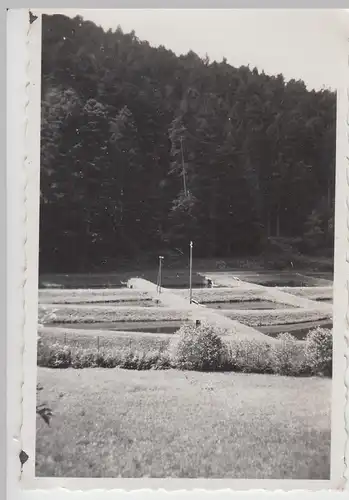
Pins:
x,y
84,358
202,348
287,356
198,348
107,358
54,356
129,359
137,360
249,356
60,356
163,362
149,360
318,351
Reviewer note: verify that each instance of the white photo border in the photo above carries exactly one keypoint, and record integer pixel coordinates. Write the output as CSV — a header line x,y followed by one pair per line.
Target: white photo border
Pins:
x,y
23,212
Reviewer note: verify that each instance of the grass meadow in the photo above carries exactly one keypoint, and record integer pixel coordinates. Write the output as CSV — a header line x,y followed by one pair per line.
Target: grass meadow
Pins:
x,y
120,423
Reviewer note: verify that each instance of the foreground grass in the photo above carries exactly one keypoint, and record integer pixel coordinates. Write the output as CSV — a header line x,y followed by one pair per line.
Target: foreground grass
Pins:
x,y
117,423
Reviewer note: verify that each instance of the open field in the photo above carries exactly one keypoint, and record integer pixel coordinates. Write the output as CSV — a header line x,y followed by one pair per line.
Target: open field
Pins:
x,y
118,423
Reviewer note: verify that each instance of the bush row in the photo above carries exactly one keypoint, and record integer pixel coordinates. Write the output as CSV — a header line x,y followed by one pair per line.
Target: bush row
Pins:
x,y
62,356
202,348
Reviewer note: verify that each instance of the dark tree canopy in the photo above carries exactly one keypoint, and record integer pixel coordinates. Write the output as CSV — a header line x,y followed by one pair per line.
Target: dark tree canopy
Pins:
x,y
142,151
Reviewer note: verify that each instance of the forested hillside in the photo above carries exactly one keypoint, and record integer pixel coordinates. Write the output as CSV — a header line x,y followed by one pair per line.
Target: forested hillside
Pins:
x,y
143,150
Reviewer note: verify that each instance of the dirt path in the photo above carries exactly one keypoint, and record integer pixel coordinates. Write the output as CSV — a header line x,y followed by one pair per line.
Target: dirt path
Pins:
x,y
201,313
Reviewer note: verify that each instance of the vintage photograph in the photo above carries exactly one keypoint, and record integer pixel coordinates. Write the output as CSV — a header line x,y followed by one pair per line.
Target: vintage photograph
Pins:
x,y
186,260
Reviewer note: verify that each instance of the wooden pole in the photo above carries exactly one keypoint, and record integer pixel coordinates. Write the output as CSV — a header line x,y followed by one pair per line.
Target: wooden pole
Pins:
x,y
160,273
160,265
190,272
158,279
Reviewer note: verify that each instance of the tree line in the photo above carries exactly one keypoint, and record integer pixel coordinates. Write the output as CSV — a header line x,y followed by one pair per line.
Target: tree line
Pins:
x,y
143,150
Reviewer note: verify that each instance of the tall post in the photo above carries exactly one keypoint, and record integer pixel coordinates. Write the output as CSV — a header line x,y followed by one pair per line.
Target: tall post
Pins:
x,y
160,274
191,272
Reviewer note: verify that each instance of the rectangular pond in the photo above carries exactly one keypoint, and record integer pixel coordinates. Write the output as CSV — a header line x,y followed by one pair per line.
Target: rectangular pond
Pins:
x,y
171,278
183,286
322,275
272,279
297,330
169,327
82,285
247,305
129,303
282,281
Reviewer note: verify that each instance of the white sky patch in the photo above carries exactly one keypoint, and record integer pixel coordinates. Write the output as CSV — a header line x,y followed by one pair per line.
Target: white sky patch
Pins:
x,y
301,44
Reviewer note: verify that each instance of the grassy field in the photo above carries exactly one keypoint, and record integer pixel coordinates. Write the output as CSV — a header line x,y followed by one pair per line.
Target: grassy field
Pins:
x,y
117,423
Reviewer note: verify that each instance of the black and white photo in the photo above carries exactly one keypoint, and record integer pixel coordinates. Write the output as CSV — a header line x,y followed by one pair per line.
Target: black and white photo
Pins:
x,y
186,253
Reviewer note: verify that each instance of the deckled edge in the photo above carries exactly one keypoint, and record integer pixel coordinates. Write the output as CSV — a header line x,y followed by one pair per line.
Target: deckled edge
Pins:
x,y
24,284
25,290
29,198
346,334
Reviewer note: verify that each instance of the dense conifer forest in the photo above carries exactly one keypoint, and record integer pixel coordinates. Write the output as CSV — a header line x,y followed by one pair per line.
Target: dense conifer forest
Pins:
x,y
143,150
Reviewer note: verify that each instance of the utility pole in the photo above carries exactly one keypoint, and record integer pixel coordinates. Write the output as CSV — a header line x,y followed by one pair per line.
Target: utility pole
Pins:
x,y
159,281
190,272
